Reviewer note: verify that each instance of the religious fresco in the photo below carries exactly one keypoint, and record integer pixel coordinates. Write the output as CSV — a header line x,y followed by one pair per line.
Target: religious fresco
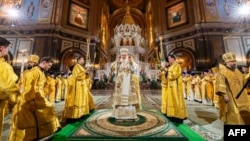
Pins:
x,y
229,9
176,15
45,10
211,11
225,10
29,11
78,16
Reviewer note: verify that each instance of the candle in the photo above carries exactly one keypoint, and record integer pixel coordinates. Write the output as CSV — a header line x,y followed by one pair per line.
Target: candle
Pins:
x,y
22,68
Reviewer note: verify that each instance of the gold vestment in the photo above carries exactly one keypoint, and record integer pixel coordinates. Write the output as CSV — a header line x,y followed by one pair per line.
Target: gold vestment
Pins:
x,y
215,96
189,88
59,89
163,78
197,88
64,87
51,89
9,90
207,89
43,120
230,82
15,133
79,100
176,106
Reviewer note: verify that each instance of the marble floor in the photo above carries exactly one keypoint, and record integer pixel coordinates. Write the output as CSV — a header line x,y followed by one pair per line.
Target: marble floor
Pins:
x,y
203,119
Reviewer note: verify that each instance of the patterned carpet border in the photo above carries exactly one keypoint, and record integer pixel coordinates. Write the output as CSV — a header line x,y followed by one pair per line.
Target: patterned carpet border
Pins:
x,y
151,99
149,125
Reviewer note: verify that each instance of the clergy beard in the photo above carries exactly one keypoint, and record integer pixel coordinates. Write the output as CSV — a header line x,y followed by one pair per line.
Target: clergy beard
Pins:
x,y
124,60
29,67
232,67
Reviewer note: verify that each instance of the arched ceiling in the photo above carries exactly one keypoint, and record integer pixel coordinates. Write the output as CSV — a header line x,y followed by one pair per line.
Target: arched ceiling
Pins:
x,y
136,14
118,10
117,4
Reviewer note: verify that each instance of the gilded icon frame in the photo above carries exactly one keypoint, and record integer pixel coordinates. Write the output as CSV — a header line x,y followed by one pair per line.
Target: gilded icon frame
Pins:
x,y
78,16
177,14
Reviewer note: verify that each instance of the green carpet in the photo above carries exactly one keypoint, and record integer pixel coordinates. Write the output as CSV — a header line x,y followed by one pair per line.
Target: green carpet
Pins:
x,y
95,127
189,133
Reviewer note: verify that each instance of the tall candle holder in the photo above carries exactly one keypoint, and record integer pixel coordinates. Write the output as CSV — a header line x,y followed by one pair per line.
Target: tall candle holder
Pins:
x,y
23,52
88,61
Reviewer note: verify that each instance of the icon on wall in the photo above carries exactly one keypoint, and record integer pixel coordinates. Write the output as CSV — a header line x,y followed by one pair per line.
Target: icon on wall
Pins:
x,y
78,16
176,15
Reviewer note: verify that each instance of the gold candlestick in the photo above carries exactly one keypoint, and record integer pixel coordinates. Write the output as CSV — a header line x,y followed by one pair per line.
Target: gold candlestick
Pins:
x,y
162,53
88,56
22,68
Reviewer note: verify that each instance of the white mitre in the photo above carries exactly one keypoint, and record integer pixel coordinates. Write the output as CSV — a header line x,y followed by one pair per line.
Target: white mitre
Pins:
x,y
123,51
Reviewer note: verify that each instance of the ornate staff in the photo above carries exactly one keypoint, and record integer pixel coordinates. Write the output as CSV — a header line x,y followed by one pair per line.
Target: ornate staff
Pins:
x,y
162,56
244,86
23,52
88,65
88,56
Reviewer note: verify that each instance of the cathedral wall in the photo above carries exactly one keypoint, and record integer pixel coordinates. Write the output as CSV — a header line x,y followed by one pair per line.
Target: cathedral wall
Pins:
x,y
211,25
203,28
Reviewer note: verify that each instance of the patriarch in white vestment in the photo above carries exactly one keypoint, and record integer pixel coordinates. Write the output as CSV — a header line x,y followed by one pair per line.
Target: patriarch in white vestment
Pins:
x,y
126,97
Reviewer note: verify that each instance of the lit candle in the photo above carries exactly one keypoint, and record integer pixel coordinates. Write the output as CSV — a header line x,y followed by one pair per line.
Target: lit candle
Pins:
x,y
22,67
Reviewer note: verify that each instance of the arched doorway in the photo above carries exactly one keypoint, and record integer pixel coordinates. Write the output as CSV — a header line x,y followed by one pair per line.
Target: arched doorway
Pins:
x,y
69,58
185,57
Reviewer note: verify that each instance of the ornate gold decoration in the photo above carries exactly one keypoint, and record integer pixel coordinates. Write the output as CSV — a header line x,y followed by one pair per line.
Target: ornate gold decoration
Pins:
x,y
128,18
132,3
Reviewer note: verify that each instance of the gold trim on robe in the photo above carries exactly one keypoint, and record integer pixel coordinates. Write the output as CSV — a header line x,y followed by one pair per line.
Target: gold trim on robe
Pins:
x,y
230,82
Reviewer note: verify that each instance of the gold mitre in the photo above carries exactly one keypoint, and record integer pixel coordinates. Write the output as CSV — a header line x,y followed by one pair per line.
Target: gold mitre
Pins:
x,y
33,58
229,57
124,51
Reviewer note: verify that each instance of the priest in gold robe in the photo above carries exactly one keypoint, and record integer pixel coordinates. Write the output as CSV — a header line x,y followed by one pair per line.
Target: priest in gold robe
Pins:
x,y
51,87
64,86
125,96
79,101
229,82
32,61
207,88
215,96
59,88
15,133
197,87
175,103
189,88
164,82
36,115
245,71
9,90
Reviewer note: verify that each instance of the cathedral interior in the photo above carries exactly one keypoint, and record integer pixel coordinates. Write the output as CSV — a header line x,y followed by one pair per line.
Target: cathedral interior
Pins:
x,y
198,32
